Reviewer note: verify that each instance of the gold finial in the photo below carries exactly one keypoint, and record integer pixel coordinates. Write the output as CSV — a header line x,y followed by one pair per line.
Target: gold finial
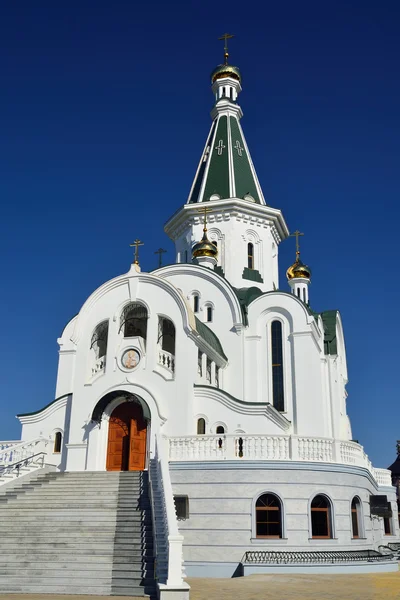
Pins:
x,y
297,234
136,243
226,37
160,252
205,210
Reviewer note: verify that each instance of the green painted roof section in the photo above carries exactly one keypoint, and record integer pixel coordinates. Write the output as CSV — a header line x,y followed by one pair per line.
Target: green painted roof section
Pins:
x,y
218,173
194,196
36,412
245,297
244,179
329,318
209,336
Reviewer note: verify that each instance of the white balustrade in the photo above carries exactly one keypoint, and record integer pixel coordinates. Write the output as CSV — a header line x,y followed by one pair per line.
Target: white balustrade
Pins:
x,y
273,447
167,360
168,540
99,365
5,445
21,451
383,476
315,449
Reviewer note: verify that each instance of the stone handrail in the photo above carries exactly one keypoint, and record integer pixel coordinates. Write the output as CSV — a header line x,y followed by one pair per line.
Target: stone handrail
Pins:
x,y
169,540
22,450
273,447
8,444
166,360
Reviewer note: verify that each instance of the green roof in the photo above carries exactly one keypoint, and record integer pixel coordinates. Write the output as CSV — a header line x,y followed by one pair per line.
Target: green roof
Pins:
x,y
225,167
209,336
329,318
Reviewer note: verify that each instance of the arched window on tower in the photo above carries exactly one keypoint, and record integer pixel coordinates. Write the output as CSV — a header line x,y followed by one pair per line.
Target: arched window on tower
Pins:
x,y
166,335
134,320
98,347
355,517
277,366
57,442
321,518
220,430
268,517
196,303
201,426
209,314
250,255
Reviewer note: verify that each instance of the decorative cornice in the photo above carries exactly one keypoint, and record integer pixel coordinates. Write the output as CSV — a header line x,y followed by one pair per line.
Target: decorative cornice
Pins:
x,y
241,406
47,411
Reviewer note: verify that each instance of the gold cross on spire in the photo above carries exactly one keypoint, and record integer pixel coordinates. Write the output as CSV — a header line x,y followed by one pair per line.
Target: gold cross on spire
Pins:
x,y
297,234
205,210
136,243
226,37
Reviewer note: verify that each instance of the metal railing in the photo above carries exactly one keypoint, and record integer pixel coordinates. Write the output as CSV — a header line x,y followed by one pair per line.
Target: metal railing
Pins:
x,y
270,557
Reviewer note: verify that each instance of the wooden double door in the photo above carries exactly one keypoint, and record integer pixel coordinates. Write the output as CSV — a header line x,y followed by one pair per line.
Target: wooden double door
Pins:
x,y
127,433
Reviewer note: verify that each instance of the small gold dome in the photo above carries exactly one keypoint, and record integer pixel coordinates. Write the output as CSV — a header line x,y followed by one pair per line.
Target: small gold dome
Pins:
x,y
298,269
226,71
204,248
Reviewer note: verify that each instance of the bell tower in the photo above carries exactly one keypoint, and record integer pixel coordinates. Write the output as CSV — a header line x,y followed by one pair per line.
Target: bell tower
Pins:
x,y
245,231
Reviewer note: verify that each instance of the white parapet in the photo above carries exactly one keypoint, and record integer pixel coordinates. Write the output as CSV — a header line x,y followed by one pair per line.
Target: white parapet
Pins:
x,y
273,447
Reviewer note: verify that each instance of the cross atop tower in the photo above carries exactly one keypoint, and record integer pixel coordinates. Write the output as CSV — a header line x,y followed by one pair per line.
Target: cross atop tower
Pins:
x,y
226,37
136,243
205,210
160,252
297,234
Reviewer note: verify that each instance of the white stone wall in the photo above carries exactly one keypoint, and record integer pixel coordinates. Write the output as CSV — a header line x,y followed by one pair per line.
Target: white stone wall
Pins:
x,y
221,526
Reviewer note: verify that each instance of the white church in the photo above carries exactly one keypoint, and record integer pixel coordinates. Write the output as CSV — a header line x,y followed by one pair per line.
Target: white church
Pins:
x,y
214,390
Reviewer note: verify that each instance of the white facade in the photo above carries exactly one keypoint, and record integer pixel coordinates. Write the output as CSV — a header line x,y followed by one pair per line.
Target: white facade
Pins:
x,y
271,425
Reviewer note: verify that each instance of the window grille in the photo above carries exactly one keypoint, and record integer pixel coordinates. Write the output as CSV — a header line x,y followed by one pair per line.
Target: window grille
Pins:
x,y
250,256
99,339
134,320
321,526
166,335
268,517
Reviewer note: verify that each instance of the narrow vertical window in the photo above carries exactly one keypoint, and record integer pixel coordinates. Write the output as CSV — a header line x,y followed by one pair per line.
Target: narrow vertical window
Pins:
x,y
186,256
250,256
268,517
355,518
57,442
209,314
201,426
196,303
321,526
277,366
387,523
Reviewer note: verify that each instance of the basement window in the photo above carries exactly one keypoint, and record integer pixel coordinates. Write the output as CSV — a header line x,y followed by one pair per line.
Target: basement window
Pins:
x,y
181,507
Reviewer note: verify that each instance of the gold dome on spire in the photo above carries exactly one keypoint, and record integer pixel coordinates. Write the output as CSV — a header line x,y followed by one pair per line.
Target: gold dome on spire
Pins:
x,y
298,269
204,247
225,70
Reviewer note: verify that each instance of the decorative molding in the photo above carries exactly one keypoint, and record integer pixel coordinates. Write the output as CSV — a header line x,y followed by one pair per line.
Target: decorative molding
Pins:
x,y
44,413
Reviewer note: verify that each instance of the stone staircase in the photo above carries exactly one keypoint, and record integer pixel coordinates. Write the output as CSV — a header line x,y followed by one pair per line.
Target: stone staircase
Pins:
x,y
77,533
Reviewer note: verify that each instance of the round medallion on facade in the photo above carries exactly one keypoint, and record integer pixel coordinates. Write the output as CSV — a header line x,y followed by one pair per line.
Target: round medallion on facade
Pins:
x,y
130,359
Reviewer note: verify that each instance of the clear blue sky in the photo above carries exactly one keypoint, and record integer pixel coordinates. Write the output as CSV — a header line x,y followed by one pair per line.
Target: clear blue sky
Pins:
x,y
104,110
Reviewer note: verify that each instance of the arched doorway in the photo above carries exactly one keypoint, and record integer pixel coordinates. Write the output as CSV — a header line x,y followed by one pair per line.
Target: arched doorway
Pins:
x,y
127,432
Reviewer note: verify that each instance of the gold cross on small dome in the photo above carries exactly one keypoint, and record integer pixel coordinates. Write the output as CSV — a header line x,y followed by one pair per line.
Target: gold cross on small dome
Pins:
x,y
136,244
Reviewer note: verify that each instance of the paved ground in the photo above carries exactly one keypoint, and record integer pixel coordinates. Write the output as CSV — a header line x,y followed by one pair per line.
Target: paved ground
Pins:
x,y
379,586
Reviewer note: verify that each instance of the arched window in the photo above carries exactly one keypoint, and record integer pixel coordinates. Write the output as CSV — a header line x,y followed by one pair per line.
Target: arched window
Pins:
x,y
166,335
355,517
57,442
268,517
321,518
209,314
134,320
99,340
195,303
277,366
201,426
250,255
220,430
